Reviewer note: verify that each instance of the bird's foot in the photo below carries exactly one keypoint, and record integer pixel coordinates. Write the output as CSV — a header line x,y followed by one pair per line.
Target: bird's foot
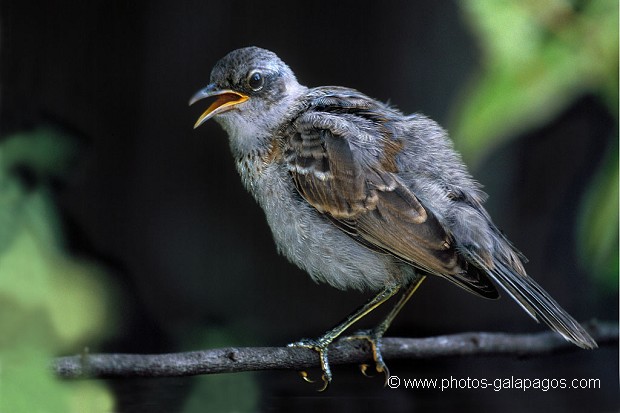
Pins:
x,y
320,346
374,338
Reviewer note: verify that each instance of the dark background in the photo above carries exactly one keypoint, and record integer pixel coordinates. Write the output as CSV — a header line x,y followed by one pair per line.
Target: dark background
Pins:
x,y
162,206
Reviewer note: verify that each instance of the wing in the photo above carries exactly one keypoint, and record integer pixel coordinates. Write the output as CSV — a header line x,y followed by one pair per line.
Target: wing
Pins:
x,y
341,153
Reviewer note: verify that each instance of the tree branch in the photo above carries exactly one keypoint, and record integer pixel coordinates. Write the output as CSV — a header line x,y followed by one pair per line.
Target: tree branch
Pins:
x,y
238,359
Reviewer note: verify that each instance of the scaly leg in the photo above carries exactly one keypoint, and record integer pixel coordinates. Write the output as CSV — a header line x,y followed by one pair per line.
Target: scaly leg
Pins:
x,y
320,345
374,336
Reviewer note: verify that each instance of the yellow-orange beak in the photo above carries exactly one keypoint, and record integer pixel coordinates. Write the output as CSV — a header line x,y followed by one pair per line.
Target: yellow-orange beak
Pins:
x,y
226,99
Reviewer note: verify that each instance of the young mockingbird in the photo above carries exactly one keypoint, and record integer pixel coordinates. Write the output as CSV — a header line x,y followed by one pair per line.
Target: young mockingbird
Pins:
x,y
361,196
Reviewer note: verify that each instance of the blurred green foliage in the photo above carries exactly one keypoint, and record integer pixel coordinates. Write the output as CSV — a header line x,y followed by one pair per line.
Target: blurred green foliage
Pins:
x,y
598,224
538,57
50,301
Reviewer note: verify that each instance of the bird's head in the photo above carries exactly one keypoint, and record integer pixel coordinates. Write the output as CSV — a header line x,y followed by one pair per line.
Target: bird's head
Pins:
x,y
253,89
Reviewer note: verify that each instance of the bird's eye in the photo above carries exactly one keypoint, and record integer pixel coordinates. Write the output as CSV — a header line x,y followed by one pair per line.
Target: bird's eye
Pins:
x,y
256,81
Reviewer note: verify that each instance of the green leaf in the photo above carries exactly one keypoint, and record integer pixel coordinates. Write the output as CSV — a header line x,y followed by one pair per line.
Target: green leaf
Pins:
x,y
27,385
598,224
44,150
50,301
538,56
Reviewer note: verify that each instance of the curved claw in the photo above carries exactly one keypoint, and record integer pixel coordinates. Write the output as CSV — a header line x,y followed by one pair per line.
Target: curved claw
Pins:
x,y
305,377
320,348
375,343
364,369
326,382
386,372
379,367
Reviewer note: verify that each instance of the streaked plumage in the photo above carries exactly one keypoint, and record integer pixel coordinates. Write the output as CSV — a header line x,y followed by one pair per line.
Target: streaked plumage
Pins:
x,y
360,195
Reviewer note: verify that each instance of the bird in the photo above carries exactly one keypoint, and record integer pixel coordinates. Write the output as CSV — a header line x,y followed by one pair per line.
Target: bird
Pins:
x,y
362,196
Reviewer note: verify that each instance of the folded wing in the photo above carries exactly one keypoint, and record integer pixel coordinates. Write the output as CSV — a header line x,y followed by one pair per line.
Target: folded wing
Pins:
x,y
341,159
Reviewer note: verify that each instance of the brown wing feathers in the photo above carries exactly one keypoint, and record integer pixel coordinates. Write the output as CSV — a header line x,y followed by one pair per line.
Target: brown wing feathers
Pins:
x,y
335,169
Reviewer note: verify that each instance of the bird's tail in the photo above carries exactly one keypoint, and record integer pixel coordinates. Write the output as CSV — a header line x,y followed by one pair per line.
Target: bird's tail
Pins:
x,y
536,301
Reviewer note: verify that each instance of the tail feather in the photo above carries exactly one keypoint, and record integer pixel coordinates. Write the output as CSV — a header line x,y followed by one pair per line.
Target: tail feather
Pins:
x,y
536,302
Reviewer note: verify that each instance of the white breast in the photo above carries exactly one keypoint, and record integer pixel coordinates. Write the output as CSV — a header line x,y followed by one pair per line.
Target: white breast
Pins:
x,y
311,241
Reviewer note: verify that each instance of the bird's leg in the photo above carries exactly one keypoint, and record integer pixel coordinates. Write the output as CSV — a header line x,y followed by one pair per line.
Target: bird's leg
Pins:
x,y
321,344
374,335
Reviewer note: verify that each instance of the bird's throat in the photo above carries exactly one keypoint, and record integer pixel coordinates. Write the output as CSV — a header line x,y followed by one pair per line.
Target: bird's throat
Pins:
x,y
253,166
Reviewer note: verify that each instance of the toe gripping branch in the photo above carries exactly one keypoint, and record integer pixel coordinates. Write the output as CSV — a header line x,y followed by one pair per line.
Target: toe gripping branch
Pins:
x,y
373,336
320,346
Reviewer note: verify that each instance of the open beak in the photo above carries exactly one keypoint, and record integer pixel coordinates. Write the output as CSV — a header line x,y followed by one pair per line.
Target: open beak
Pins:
x,y
226,99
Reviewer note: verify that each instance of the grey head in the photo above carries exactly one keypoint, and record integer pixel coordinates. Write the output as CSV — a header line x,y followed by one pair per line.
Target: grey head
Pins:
x,y
254,90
